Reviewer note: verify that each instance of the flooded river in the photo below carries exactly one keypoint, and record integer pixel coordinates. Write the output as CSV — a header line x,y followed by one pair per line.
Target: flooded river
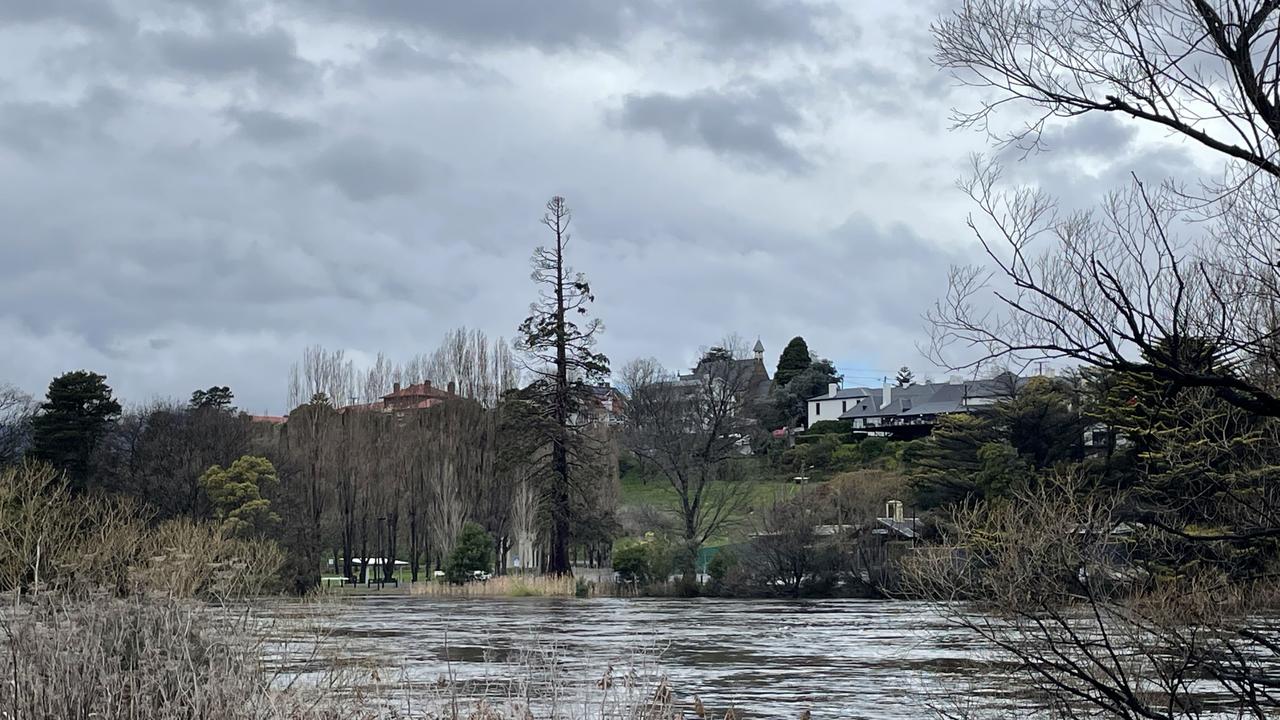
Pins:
x,y
772,659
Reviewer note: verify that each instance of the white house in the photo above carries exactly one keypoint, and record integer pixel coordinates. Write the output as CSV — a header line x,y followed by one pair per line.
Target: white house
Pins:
x,y
910,410
835,403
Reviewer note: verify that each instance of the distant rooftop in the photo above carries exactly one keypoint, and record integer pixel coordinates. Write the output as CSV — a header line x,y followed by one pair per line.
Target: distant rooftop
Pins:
x,y
924,398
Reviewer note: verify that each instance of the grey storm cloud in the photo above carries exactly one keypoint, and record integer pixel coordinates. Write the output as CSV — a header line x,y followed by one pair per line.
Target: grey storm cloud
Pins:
x,y
394,56
573,24
271,55
270,128
364,169
196,190
87,13
1098,134
747,125
33,128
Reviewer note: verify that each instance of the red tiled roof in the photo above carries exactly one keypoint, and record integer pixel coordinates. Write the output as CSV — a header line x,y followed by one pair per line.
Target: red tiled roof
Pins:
x,y
273,419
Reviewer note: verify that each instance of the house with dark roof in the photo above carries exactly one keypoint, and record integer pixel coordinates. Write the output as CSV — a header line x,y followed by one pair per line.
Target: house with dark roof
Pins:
x,y
911,410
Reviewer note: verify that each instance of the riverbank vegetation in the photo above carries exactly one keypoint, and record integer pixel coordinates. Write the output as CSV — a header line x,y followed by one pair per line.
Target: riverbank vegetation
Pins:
x,y
108,615
1136,576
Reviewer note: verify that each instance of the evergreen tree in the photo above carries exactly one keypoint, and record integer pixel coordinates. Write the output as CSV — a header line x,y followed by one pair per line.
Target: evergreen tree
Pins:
x,y
216,397
714,354
905,376
794,360
786,406
236,495
948,463
559,352
472,553
77,412
1042,421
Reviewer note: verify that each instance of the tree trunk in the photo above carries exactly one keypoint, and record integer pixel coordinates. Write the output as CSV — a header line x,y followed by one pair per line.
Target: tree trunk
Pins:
x,y
364,549
415,550
389,560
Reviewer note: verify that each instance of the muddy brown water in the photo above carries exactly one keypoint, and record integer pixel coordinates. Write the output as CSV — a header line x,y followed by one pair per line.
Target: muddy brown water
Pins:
x,y
771,659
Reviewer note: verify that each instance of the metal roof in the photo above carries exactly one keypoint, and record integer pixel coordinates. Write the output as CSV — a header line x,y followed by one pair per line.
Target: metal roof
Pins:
x,y
924,399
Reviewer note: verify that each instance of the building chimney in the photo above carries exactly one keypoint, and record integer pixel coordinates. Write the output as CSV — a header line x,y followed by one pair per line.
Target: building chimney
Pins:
x,y
888,396
426,384
395,387
832,389
452,386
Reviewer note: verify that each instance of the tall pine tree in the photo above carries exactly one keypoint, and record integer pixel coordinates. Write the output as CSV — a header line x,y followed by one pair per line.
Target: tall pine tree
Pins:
x,y
76,414
905,376
559,352
794,360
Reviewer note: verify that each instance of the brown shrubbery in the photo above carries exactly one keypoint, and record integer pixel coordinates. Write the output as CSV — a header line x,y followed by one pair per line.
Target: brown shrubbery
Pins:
x,y
54,540
1075,599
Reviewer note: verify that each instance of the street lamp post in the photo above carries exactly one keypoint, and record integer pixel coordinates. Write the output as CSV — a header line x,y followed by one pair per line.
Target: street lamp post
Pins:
x,y
382,555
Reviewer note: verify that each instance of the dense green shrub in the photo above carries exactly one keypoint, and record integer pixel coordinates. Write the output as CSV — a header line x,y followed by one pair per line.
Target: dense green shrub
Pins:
x,y
718,569
473,552
872,449
829,427
847,457
631,562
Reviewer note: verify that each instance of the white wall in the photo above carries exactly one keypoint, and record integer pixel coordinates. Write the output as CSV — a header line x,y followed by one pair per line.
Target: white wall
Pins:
x,y
830,410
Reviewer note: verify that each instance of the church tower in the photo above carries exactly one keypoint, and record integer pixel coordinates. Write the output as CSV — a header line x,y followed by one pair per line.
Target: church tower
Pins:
x,y
759,350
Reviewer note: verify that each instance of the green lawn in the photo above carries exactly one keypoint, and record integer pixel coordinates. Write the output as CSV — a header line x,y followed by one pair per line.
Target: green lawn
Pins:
x,y
657,492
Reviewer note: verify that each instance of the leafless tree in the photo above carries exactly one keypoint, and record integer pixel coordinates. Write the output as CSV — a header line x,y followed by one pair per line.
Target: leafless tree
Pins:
x,y
377,380
690,429
416,489
787,548
596,502
323,376
311,445
433,467
156,453
479,368
1064,593
16,409
1127,288
528,536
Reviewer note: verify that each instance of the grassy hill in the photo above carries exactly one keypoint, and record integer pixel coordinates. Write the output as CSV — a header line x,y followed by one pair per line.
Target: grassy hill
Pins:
x,y
655,493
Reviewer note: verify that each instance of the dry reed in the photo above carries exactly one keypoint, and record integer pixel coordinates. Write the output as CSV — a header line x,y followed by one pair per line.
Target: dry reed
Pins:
x,y
514,586
171,659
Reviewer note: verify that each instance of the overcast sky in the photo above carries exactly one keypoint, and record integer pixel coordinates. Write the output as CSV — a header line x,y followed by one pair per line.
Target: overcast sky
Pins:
x,y
192,192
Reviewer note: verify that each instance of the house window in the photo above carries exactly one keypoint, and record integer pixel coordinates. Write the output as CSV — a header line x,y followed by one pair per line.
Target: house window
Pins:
x,y
844,405
817,408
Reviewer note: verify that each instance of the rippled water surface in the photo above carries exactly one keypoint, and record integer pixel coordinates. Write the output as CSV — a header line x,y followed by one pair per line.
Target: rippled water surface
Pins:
x,y
836,658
